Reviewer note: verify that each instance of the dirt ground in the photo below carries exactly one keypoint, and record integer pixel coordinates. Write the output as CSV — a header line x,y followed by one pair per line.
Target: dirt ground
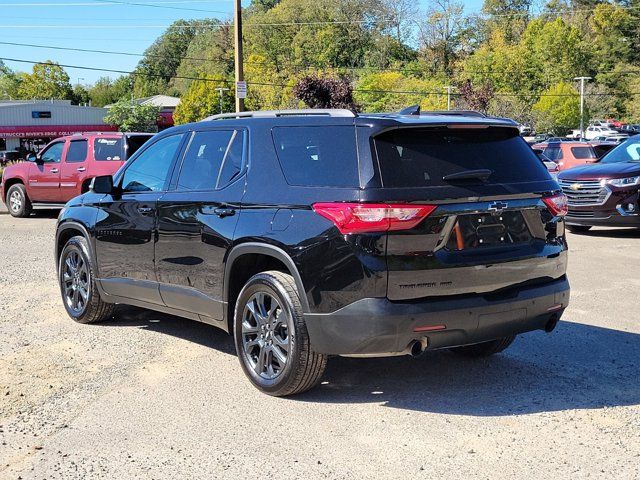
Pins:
x,y
148,395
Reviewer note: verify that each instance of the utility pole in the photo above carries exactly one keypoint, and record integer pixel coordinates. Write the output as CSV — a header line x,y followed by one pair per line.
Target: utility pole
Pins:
x,y
238,52
582,80
221,90
448,88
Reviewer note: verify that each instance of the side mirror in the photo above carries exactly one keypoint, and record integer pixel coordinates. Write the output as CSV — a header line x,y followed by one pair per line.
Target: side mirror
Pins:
x,y
31,157
102,184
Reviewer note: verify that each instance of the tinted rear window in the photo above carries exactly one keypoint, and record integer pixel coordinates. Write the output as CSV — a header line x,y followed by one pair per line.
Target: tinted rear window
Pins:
x,y
422,157
106,149
554,153
318,156
583,152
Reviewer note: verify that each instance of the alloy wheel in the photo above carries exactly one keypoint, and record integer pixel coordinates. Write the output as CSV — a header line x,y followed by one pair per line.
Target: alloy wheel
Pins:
x,y
265,335
75,282
15,201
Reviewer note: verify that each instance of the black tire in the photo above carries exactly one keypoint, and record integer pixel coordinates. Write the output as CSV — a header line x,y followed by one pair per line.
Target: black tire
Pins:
x,y
18,202
485,349
303,367
92,309
578,228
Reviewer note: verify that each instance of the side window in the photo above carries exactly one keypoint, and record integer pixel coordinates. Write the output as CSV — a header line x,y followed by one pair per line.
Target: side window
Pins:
x,y
212,160
53,154
148,172
77,151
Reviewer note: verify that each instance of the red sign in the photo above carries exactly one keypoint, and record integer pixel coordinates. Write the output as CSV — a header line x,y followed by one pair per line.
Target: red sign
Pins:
x,y
37,131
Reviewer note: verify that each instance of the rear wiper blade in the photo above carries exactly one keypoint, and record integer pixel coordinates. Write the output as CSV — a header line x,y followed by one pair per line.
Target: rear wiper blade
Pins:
x,y
481,174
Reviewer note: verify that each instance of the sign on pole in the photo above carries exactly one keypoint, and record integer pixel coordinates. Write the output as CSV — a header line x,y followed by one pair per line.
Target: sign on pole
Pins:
x,y
241,89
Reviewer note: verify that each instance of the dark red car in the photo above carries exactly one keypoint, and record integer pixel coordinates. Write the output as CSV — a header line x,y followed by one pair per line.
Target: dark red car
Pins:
x,y
64,168
605,193
568,154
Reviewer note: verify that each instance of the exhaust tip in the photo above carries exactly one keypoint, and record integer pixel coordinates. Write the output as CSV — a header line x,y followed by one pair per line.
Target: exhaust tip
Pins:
x,y
417,347
552,323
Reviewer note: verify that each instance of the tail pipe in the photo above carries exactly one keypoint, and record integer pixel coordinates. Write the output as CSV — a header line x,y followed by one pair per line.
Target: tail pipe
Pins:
x,y
417,347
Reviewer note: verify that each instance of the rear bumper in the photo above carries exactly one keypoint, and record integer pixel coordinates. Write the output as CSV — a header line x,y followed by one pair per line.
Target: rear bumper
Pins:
x,y
377,326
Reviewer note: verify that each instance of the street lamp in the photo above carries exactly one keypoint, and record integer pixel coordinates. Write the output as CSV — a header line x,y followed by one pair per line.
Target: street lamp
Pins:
x,y
221,90
582,80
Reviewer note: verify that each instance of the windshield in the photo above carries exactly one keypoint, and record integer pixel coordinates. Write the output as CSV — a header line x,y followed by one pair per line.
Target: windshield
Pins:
x,y
628,151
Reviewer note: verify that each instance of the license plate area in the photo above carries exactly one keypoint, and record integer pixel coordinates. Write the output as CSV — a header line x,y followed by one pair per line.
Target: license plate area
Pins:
x,y
483,230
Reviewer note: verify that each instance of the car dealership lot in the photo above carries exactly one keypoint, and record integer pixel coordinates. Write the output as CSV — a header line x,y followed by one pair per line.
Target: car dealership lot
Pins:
x,y
152,396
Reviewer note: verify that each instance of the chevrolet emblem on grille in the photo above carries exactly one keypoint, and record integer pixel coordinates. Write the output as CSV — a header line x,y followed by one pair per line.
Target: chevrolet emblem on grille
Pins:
x,y
498,206
575,186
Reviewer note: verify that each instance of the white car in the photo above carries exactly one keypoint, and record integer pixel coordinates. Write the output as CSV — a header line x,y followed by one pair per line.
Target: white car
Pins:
x,y
594,131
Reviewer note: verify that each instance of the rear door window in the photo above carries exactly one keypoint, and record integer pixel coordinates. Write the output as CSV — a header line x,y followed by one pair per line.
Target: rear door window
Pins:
x,y
414,157
77,152
318,156
212,161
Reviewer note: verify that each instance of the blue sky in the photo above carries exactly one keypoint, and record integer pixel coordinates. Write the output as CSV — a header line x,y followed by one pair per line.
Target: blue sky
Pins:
x,y
114,25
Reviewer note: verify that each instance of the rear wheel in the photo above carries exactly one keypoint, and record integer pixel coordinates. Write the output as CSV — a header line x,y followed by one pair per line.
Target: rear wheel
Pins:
x,y
578,228
485,349
271,336
18,202
80,296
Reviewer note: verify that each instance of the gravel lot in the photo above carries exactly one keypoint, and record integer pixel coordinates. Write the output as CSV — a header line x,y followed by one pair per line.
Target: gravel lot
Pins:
x,y
152,396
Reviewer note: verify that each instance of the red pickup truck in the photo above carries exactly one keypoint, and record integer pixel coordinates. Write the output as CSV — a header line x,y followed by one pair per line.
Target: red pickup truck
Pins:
x,y
64,168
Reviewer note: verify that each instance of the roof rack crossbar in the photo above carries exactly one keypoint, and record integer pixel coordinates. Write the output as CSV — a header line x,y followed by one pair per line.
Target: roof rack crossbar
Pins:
x,y
465,113
327,112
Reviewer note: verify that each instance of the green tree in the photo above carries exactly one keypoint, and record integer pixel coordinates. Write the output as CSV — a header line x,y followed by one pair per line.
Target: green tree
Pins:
x,y
392,91
47,81
106,91
202,99
132,117
154,73
558,110
9,82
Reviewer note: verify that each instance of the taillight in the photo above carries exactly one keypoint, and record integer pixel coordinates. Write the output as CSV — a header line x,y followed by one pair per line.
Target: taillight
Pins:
x,y
557,204
373,217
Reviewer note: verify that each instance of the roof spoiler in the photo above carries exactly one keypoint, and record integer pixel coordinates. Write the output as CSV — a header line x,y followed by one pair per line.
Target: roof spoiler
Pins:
x,y
415,110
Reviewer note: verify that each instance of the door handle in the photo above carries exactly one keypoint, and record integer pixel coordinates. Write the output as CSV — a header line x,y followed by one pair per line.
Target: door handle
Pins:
x,y
224,212
54,170
81,169
145,210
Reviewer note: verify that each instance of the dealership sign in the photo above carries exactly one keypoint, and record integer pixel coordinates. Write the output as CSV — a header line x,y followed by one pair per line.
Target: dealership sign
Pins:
x,y
37,131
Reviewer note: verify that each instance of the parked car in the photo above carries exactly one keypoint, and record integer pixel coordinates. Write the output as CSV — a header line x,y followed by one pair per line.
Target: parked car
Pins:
x,y
550,165
594,131
313,233
630,129
64,169
8,156
568,154
605,193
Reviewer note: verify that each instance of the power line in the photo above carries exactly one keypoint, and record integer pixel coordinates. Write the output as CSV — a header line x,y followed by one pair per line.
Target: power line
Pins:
x,y
267,63
362,90
157,5
110,4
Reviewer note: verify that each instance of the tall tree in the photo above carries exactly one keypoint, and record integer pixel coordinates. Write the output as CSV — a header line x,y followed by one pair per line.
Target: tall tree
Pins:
x,y
46,81
9,82
325,92
558,110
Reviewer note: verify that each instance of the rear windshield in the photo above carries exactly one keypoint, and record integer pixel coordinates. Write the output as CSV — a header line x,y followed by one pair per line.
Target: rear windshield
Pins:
x,y
107,149
422,157
318,156
583,152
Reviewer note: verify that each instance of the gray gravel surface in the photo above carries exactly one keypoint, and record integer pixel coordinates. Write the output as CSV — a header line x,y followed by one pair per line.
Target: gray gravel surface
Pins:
x,y
147,395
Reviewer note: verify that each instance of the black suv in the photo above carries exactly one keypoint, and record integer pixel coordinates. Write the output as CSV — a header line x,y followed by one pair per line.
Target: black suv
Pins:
x,y
307,234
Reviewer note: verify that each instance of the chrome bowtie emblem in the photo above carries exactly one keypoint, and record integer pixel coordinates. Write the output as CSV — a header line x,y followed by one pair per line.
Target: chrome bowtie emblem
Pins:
x,y
497,206
575,186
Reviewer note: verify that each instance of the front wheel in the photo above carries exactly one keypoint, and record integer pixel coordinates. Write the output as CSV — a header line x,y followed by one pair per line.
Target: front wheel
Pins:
x,y
578,228
271,336
80,296
18,201
485,349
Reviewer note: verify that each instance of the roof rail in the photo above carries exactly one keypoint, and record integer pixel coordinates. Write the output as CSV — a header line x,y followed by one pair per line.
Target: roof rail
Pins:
x,y
463,113
325,112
